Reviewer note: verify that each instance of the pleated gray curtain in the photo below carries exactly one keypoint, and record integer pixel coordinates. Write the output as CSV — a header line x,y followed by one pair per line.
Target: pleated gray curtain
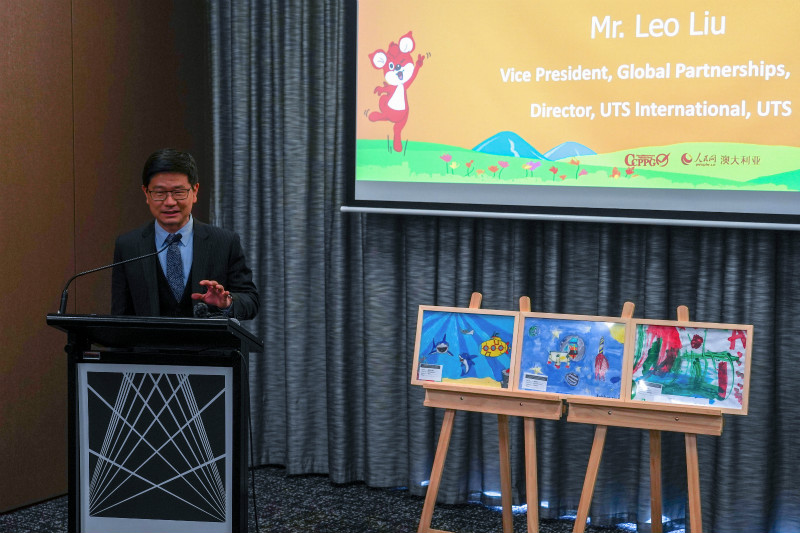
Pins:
x,y
340,292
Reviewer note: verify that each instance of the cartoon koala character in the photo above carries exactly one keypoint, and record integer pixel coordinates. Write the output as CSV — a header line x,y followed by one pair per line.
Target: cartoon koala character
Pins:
x,y
399,72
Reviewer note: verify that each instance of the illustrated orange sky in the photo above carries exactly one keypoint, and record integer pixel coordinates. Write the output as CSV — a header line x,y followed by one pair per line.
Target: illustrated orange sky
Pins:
x,y
459,97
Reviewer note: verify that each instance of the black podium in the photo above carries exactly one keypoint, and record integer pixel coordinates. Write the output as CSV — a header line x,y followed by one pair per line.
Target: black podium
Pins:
x,y
157,423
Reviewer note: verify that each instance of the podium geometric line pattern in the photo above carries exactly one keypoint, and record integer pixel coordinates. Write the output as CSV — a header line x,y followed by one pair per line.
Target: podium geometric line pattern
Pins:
x,y
150,451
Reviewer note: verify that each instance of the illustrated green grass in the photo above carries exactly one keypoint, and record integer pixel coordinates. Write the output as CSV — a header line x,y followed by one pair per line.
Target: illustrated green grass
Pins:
x,y
741,167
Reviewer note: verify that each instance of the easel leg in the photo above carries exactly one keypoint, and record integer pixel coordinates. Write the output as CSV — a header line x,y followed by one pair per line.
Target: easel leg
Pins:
x,y
436,471
505,473
531,475
693,477
655,481
591,478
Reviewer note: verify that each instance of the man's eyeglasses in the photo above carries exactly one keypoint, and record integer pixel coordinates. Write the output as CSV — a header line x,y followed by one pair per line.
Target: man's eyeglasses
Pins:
x,y
177,194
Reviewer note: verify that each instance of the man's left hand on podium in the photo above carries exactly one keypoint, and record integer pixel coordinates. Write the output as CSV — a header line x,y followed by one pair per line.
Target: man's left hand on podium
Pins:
x,y
216,295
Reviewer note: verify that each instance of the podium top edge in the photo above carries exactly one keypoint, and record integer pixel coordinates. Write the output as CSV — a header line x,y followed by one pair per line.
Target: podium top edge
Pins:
x,y
68,322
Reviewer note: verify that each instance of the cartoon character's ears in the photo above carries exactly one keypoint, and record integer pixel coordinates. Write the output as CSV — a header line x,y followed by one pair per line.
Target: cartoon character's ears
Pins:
x,y
406,43
378,58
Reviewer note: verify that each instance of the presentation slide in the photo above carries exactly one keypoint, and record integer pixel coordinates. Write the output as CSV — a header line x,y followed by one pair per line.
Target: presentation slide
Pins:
x,y
580,107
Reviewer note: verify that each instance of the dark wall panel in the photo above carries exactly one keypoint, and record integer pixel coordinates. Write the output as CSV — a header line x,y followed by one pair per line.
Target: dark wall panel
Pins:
x,y
87,90
36,239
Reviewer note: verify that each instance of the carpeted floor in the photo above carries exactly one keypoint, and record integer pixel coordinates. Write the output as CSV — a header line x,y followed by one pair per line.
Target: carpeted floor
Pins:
x,y
301,504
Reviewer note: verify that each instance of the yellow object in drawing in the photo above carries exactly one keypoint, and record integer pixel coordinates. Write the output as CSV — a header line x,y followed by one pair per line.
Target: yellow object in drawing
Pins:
x,y
494,347
618,333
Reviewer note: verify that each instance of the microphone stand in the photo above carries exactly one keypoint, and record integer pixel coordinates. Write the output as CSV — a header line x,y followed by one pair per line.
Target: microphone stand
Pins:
x,y
62,309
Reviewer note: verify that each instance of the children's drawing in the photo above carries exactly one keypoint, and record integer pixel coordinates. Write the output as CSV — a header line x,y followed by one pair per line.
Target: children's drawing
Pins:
x,y
571,354
467,347
692,363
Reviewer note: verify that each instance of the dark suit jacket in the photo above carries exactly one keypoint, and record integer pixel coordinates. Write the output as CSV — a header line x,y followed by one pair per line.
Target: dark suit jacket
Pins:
x,y
217,256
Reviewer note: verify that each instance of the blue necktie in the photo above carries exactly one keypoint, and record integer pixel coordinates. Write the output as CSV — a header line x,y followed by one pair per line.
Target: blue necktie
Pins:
x,y
174,268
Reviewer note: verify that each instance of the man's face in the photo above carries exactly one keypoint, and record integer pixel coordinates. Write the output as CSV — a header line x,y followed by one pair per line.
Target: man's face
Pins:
x,y
170,213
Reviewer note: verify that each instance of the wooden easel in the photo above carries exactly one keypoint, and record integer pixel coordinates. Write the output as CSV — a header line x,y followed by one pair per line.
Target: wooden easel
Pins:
x,y
503,403
689,420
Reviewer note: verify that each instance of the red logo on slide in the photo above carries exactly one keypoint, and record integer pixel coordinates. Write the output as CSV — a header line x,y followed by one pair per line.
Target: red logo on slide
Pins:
x,y
686,159
646,160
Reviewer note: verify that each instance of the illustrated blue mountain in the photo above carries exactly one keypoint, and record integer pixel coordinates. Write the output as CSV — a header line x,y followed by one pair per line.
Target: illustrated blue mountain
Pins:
x,y
568,149
509,144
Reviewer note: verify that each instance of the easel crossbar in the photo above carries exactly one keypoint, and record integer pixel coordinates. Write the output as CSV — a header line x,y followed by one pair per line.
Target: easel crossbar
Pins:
x,y
681,421
550,409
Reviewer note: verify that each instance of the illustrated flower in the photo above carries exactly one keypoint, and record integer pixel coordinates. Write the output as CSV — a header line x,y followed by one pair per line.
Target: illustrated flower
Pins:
x,y
469,166
629,171
530,166
554,170
454,166
563,177
527,168
479,171
446,158
503,166
577,163
615,173
493,169
582,172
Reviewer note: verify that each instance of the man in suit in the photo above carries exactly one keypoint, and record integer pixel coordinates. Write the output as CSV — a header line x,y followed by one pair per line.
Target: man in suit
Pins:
x,y
206,263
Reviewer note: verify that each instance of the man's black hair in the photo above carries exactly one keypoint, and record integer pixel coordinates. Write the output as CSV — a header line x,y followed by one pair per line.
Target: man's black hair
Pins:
x,y
170,160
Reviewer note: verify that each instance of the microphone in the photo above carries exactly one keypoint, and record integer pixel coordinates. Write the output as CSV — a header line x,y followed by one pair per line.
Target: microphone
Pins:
x,y
200,310
63,307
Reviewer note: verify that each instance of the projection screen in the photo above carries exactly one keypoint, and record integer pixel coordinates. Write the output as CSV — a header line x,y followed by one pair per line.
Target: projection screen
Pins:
x,y
678,112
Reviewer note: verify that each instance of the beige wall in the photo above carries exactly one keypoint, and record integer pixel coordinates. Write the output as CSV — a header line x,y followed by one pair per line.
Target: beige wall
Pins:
x,y
88,89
